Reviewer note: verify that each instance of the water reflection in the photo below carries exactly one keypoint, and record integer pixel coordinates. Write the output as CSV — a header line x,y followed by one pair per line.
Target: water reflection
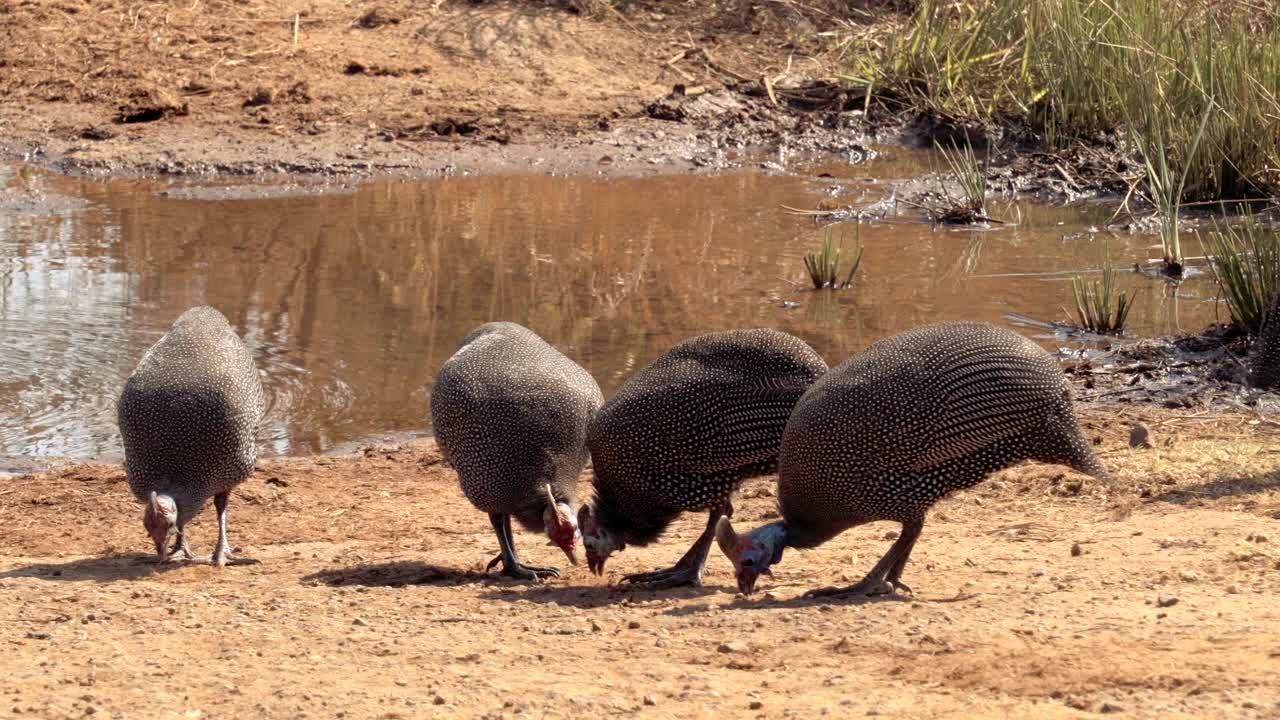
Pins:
x,y
351,301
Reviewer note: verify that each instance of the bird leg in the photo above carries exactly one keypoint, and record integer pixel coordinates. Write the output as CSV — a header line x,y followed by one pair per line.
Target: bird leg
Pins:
x,y
885,577
222,551
511,565
688,570
180,547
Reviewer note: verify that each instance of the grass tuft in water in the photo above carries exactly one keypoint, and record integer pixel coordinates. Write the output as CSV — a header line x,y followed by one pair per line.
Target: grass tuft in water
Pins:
x,y
1100,307
1246,264
971,178
823,264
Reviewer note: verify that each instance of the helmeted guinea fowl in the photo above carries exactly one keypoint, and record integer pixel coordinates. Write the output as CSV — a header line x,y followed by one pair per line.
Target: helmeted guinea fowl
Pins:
x,y
897,427
510,414
188,416
683,433
1264,359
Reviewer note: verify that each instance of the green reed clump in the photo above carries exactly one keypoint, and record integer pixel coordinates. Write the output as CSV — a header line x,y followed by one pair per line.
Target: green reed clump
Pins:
x,y
823,264
1196,82
1100,307
971,179
1246,264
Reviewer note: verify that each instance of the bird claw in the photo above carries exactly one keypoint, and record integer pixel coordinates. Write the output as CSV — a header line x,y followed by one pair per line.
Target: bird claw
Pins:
x,y
529,572
667,578
863,588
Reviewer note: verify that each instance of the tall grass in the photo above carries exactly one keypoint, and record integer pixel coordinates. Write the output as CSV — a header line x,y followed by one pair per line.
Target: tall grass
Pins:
x,y
823,264
1198,81
1100,307
1246,264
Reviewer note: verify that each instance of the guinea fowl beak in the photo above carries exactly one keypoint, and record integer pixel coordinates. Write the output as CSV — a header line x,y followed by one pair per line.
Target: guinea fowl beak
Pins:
x,y
747,580
595,563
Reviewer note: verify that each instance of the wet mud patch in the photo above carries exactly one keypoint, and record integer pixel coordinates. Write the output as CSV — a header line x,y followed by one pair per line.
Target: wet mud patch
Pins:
x,y
1203,372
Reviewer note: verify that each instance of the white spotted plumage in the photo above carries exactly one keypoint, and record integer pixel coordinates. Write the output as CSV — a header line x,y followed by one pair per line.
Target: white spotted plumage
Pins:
x,y
510,413
916,416
685,431
189,413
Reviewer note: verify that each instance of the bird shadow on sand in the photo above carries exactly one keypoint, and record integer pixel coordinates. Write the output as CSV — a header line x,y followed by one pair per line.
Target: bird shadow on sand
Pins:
x,y
741,603
398,573
108,568
558,592
1232,486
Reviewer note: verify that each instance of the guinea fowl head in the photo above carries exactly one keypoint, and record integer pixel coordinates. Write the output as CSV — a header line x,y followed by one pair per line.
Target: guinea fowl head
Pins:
x,y
599,542
562,528
160,518
752,553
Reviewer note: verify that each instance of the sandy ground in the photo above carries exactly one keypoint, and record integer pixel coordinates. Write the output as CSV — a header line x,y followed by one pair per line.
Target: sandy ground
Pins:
x,y
1038,594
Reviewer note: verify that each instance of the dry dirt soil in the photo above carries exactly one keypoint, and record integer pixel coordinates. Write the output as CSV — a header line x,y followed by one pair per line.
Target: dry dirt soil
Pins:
x,y
1038,594
332,86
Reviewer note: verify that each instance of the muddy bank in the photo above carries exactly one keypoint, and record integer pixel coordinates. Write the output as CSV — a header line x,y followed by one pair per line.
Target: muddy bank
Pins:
x,y
398,88
1202,373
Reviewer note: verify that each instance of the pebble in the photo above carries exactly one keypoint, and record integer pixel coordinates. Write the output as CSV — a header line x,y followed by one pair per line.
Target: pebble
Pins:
x,y
1139,437
438,700
733,647
755,705
359,622
1166,600
1110,708
596,626
1076,550
650,700
633,625
1234,589
1188,576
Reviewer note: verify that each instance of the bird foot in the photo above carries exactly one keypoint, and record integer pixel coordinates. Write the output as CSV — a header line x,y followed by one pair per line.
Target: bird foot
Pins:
x,y
520,571
180,552
864,588
222,557
667,578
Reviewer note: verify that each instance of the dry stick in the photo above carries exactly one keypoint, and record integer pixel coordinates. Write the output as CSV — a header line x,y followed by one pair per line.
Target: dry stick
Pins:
x,y
296,18
768,87
687,77
1124,204
1066,176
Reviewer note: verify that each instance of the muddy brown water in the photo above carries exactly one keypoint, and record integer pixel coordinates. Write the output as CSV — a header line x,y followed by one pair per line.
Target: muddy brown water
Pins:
x,y
352,297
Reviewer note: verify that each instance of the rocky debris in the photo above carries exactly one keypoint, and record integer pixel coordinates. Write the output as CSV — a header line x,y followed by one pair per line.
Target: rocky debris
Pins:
x,y
376,17
261,96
